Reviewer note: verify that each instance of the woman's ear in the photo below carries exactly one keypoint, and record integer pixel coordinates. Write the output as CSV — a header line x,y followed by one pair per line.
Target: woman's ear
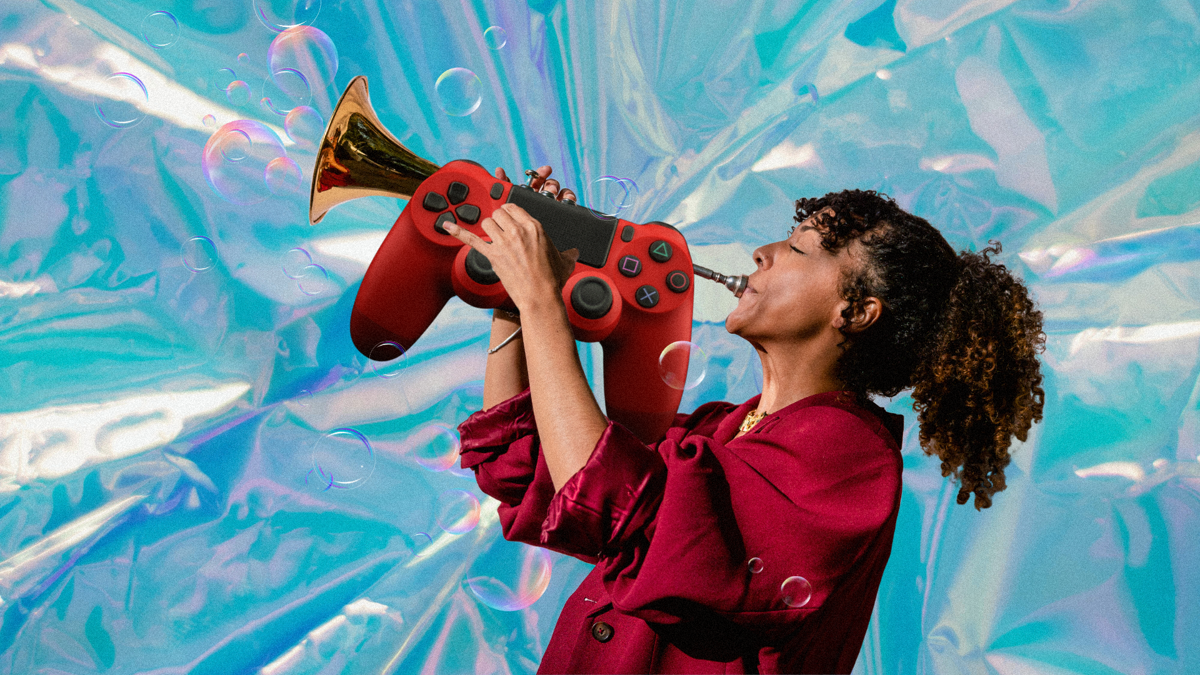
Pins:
x,y
869,310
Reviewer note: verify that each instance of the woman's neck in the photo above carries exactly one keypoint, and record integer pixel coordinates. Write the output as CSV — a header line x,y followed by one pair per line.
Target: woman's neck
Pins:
x,y
790,375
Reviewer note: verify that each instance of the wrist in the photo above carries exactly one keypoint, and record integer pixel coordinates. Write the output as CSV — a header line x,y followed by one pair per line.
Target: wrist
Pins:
x,y
506,315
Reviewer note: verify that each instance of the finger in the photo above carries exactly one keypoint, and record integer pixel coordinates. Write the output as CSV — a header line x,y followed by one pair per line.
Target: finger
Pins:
x,y
466,236
550,186
502,175
543,172
567,193
571,254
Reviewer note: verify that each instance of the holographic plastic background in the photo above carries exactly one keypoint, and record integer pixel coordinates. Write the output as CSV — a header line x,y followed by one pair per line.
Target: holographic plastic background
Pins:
x,y
198,472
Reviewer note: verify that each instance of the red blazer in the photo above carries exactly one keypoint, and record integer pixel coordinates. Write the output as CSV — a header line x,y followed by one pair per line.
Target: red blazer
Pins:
x,y
812,491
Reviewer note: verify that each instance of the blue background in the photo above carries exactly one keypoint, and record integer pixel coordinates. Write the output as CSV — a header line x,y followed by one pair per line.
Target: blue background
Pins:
x,y
164,406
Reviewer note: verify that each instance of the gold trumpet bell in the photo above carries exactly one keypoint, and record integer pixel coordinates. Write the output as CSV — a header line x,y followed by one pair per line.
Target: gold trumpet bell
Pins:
x,y
360,158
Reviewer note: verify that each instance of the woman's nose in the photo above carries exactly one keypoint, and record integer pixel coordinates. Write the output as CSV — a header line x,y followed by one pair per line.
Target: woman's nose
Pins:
x,y
760,256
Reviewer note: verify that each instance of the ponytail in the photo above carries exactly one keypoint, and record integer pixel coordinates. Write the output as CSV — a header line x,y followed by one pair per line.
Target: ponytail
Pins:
x,y
960,330
978,383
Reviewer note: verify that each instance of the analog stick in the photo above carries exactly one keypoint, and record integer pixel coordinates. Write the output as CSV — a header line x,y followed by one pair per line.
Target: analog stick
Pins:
x,y
479,268
591,298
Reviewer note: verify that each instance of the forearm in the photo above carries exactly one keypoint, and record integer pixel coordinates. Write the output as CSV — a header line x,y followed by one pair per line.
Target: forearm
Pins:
x,y
505,375
569,420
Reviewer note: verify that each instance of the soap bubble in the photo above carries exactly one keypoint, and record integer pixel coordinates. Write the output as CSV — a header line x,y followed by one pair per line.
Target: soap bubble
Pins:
x,y
510,576
285,90
458,512
236,158
434,446
243,59
610,195
305,126
458,91
280,15
495,37
209,121
314,280
160,29
387,359
121,103
294,262
238,93
342,458
797,591
198,254
306,50
682,365
755,565
284,178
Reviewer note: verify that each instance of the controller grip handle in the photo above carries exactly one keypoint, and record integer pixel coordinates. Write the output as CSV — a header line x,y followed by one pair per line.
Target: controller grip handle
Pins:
x,y
636,394
402,292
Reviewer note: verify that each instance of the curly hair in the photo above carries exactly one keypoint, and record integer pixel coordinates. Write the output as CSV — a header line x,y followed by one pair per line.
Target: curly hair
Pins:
x,y
960,330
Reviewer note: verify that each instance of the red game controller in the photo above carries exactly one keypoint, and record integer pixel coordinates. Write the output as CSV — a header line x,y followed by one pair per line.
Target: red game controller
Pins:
x,y
631,289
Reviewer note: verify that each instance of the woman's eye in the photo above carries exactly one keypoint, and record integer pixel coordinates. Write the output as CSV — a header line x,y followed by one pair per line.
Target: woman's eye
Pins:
x,y
796,250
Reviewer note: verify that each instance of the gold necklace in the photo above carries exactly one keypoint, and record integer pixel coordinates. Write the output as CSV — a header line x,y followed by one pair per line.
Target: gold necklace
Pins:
x,y
753,417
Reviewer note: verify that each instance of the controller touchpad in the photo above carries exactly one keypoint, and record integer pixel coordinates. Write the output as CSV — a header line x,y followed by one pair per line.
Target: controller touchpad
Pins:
x,y
569,225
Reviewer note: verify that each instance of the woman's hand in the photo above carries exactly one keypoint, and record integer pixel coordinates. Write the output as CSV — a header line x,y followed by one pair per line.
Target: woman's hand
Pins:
x,y
522,256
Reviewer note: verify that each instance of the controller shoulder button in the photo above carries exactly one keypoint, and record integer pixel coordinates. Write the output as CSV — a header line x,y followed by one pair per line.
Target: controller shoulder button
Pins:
x,y
446,217
630,266
469,213
678,282
457,192
627,233
591,298
647,296
497,190
660,251
659,222
435,202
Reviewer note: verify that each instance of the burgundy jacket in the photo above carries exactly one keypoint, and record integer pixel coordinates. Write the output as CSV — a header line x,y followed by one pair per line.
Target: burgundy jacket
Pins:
x,y
674,529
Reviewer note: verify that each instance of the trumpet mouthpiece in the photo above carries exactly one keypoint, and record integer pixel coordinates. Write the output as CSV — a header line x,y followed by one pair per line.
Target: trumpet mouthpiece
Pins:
x,y
735,284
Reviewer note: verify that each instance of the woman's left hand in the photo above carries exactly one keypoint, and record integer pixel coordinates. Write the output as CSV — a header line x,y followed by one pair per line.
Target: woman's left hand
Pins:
x,y
522,256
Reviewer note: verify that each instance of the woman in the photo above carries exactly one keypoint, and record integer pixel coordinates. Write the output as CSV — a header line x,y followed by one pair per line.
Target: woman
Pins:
x,y
752,537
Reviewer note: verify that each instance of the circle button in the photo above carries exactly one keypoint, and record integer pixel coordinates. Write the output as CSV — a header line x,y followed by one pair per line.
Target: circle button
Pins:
x,y
678,281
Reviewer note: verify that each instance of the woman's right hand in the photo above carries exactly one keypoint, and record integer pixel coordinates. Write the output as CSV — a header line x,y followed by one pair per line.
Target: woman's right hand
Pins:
x,y
543,181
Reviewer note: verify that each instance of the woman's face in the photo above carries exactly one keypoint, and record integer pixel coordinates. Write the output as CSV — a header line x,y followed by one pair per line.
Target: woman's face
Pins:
x,y
793,296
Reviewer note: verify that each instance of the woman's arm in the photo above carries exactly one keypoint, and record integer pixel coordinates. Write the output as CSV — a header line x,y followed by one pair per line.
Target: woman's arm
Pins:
x,y
506,374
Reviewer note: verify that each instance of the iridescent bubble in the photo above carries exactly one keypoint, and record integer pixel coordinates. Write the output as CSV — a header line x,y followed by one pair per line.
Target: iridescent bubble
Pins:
x,y
796,591
682,365
421,544
307,51
304,398
305,126
122,100
228,71
160,29
236,158
610,195
284,177
294,262
238,93
343,458
434,446
235,146
285,90
198,254
495,37
314,280
280,15
458,91
243,59
458,512
510,576
755,565
387,359
209,121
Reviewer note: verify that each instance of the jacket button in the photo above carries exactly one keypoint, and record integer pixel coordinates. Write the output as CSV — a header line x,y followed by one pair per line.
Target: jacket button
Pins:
x,y
602,631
